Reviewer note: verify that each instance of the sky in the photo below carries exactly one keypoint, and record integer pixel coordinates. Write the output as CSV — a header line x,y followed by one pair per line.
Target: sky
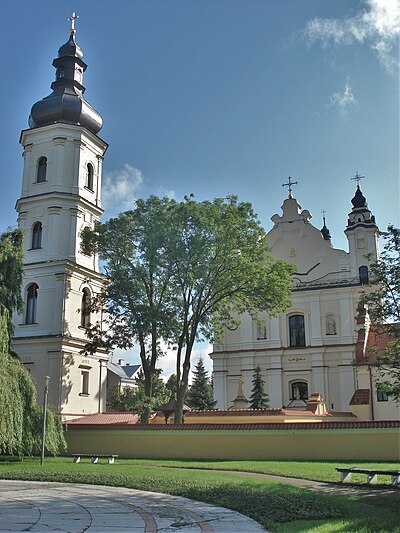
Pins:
x,y
219,97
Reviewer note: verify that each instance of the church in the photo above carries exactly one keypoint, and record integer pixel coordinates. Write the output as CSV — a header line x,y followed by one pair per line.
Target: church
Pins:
x,y
310,349
320,344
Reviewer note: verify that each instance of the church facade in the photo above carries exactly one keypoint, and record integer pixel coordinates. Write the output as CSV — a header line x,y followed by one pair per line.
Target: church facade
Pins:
x,y
61,194
312,347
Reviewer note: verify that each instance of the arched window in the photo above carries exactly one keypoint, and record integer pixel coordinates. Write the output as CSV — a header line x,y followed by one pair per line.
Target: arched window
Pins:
x,y
85,309
31,304
298,390
89,176
297,335
37,236
363,275
42,170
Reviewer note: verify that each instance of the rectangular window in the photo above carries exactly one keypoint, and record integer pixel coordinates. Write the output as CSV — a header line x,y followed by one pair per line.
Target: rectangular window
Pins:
x,y
382,396
85,382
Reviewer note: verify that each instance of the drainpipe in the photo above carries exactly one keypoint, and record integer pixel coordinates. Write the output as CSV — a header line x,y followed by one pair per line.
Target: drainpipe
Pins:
x,y
100,387
372,392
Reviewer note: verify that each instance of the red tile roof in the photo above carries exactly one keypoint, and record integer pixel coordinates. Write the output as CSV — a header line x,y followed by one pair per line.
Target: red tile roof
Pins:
x,y
240,427
105,419
360,397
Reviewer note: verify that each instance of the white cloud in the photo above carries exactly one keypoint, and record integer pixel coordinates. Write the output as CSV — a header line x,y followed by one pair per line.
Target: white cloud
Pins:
x,y
120,188
343,102
377,25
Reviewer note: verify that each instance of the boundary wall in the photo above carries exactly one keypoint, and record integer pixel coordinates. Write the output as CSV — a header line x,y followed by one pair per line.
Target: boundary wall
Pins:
x,y
361,441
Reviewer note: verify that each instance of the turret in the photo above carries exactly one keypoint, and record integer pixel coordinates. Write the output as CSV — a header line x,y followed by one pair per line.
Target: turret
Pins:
x,y
362,234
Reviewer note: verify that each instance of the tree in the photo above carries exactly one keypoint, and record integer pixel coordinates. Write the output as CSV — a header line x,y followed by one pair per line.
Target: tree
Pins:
x,y
11,262
383,301
200,394
21,417
179,272
259,399
221,268
136,301
134,398
171,385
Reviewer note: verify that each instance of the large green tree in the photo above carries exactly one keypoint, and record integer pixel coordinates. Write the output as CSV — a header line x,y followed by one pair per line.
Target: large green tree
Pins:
x,y
383,300
221,269
11,261
200,394
258,398
181,271
137,303
21,417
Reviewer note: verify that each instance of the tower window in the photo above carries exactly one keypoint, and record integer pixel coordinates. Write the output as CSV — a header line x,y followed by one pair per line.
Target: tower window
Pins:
x,y
89,176
31,304
363,275
297,330
37,236
42,170
61,73
84,383
85,309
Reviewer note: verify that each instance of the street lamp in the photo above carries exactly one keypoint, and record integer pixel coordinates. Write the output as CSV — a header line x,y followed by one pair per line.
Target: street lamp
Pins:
x,y
46,393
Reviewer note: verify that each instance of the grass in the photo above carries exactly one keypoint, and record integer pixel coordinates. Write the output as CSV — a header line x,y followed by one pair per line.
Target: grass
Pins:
x,y
277,507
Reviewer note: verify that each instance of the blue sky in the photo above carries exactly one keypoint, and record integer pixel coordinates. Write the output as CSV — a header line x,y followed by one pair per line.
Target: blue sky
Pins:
x,y
218,97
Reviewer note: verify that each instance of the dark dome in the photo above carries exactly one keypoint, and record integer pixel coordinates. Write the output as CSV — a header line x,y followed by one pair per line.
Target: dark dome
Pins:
x,y
359,199
66,103
65,107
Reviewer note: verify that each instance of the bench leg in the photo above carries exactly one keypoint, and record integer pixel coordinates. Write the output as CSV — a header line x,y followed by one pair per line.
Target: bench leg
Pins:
x,y
396,479
111,460
372,479
95,460
345,477
77,459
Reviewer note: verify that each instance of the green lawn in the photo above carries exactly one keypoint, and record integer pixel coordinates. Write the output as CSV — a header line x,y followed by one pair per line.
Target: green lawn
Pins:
x,y
278,507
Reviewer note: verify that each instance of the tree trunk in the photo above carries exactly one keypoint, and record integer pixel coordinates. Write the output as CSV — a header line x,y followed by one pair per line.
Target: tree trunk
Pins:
x,y
182,387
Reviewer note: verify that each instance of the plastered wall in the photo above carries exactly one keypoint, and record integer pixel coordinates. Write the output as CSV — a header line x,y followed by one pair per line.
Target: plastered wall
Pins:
x,y
375,444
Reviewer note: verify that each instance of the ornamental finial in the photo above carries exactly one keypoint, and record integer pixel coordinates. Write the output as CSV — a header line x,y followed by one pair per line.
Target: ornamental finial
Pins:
x,y
72,19
357,177
289,185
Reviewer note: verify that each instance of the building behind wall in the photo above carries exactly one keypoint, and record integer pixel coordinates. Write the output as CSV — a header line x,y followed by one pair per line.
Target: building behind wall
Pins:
x,y
61,188
312,347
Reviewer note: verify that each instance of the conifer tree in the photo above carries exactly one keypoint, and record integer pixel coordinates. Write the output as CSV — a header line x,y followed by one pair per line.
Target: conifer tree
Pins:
x,y
200,394
259,399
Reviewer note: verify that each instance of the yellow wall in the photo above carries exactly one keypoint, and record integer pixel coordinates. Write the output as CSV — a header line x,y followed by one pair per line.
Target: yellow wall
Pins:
x,y
325,444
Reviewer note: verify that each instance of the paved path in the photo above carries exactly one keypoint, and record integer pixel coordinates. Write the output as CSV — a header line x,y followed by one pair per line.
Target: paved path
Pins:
x,y
334,489
51,507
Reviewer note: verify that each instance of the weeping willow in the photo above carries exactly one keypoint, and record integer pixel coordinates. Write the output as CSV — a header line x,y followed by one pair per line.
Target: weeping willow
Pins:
x,y
20,416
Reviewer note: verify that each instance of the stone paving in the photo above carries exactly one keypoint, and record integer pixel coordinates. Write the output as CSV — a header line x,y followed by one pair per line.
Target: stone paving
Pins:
x,y
51,507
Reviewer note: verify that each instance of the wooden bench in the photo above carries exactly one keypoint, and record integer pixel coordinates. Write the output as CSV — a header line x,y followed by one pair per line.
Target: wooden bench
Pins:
x,y
372,475
94,457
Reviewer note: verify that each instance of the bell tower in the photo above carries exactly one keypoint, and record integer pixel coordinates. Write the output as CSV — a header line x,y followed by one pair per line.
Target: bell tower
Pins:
x,y
362,234
61,195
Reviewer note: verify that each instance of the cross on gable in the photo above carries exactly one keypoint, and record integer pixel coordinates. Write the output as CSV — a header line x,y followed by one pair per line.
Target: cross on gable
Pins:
x,y
289,185
72,19
357,177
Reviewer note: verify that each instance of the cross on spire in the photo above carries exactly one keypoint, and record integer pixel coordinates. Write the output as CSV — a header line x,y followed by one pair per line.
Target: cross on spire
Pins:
x,y
323,215
72,19
289,185
357,177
